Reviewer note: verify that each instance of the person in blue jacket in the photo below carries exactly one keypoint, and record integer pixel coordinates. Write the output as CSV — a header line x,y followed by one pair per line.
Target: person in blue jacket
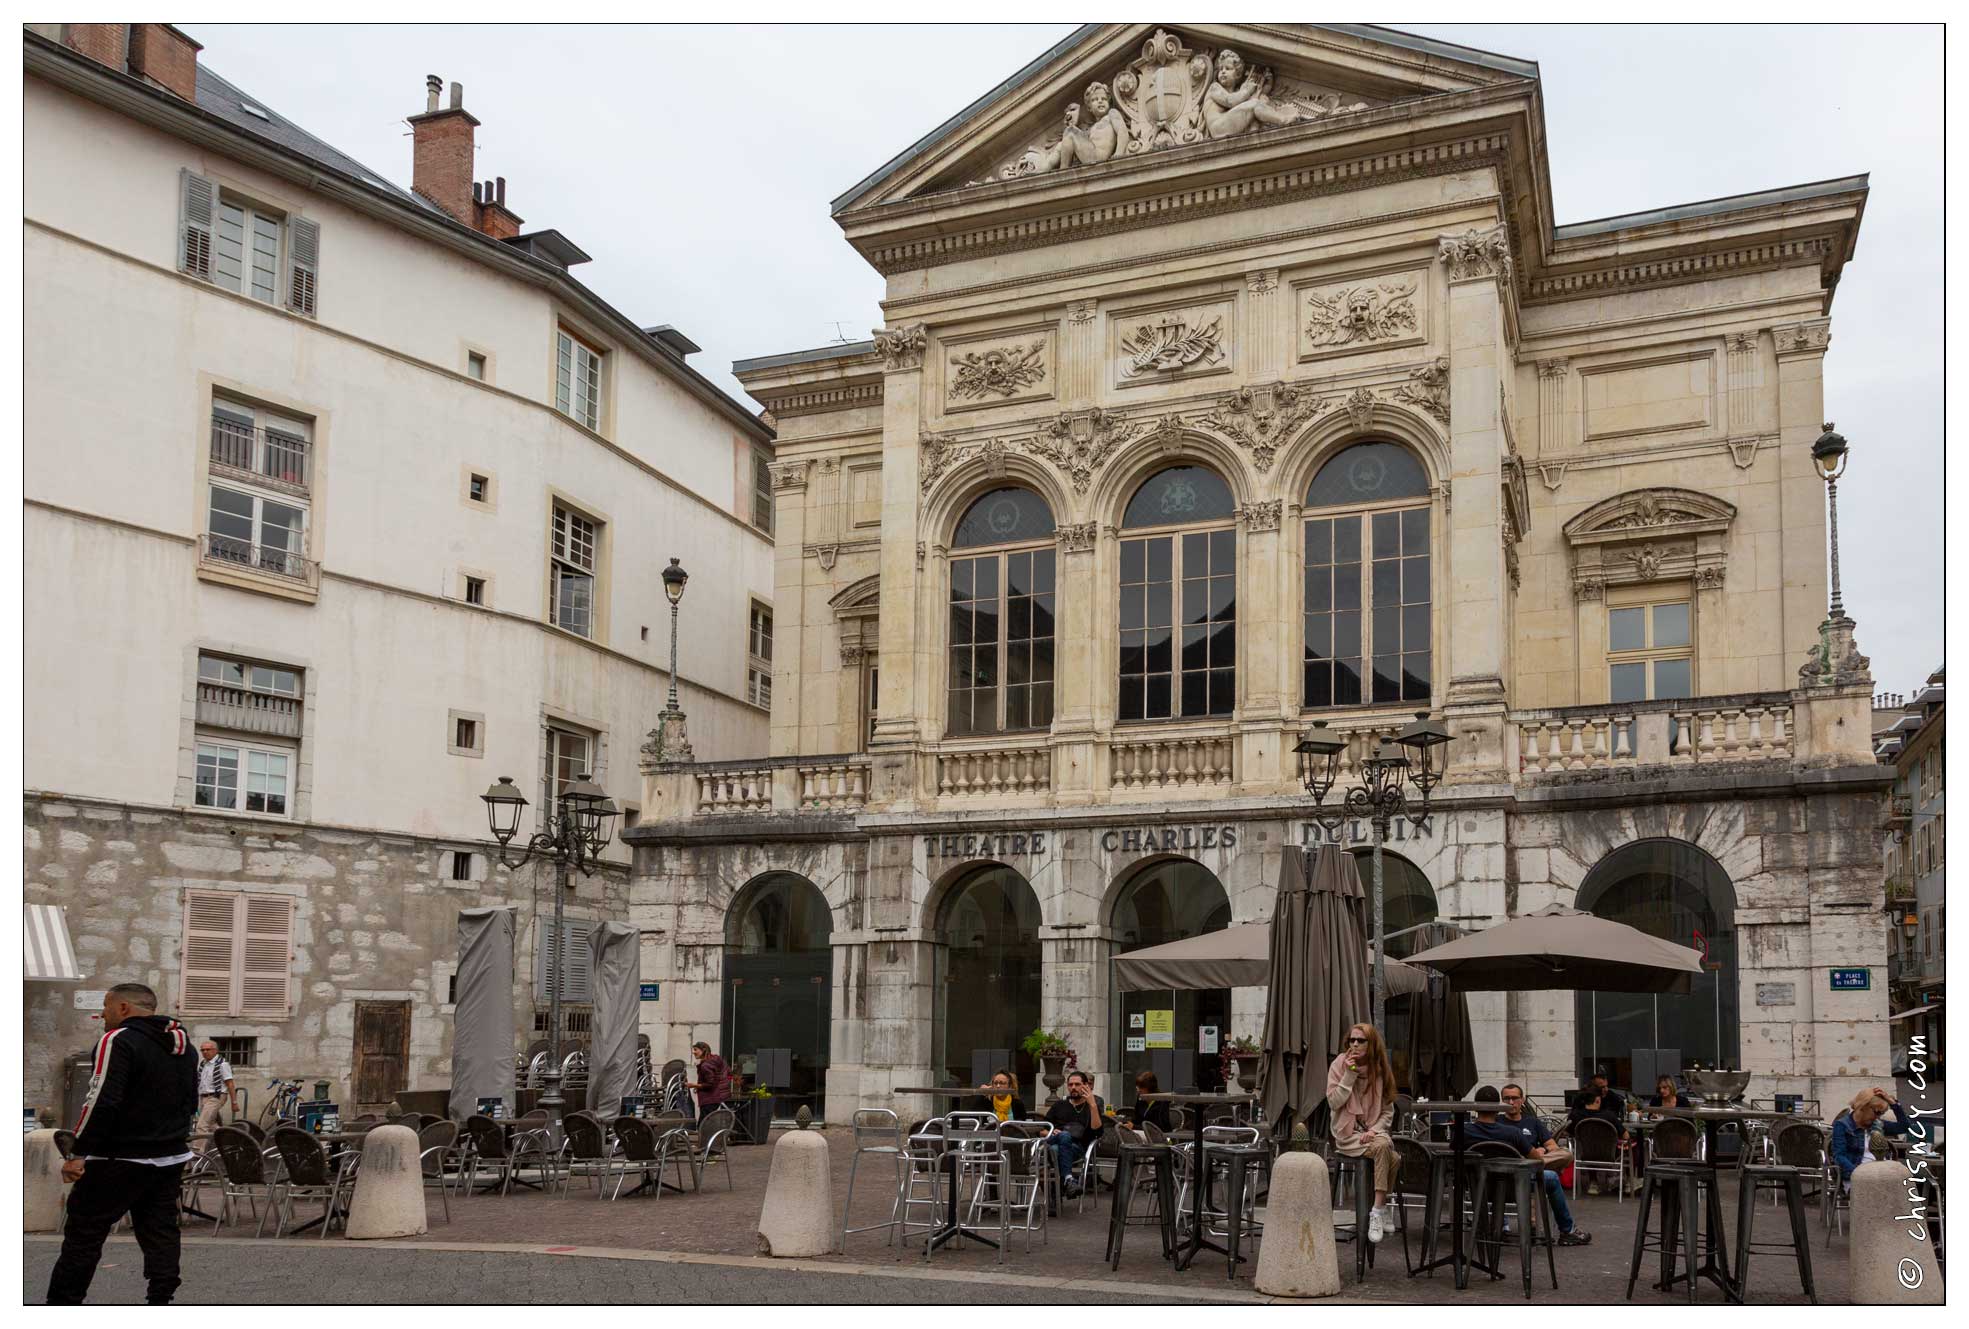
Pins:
x,y
1852,1130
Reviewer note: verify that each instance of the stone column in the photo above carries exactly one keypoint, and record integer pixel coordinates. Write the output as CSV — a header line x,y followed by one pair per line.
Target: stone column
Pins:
x,y
1080,355
1073,997
1801,351
899,704
793,646
1264,630
1075,652
1268,319
1472,577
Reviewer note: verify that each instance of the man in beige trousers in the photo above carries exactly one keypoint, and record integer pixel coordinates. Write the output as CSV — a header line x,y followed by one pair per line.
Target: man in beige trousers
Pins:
x,y
215,1088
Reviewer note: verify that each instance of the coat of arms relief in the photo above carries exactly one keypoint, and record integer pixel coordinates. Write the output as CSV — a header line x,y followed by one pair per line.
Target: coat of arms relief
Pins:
x,y
1170,97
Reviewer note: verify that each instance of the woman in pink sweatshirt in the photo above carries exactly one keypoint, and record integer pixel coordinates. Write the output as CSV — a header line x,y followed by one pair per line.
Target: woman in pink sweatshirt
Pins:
x,y
1360,1093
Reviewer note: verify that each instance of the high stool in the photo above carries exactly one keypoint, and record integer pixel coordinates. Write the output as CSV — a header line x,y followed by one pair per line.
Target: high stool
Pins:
x,y
1758,1177
1441,1160
1242,1164
875,1131
1359,1170
1520,1182
1680,1187
1158,1158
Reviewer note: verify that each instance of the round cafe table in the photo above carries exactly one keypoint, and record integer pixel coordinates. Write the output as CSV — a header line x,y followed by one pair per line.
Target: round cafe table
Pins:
x,y
1459,1260
955,1093
1715,1264
1199,1169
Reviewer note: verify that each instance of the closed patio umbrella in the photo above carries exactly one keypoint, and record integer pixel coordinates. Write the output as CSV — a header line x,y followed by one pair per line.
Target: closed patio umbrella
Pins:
x,y
1556,948
1442,1059
1318,984
1234,957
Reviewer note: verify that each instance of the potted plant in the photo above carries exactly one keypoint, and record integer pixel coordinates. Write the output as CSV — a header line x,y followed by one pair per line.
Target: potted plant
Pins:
x,y
754,1109
1055,1057
1243,1051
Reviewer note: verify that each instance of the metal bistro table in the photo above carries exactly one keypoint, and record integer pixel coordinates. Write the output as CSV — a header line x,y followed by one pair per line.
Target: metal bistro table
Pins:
x,y
950,1227
1715,1264
1456,1109
1199,1169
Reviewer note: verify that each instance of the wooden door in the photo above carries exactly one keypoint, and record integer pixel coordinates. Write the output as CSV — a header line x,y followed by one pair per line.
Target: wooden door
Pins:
x,y
382,1067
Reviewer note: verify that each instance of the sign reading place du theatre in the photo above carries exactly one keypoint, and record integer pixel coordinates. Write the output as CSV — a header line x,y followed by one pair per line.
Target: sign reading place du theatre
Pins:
x,y
1155,839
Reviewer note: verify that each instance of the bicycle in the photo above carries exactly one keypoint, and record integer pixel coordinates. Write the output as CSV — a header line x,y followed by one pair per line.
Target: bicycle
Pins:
x,y
282,1105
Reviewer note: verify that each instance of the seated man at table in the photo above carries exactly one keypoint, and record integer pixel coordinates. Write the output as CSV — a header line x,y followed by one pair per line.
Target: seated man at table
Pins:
x,y
1518,1112
1488,1127
1077,1122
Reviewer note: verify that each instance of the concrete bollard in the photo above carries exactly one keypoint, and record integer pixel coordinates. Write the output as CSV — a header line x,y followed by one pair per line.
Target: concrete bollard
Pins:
x,y
1893,1261
389,1194
42,1186
797,1218
1297,1257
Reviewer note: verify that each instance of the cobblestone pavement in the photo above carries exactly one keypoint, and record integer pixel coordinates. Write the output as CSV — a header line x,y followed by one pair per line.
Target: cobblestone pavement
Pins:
x,y
721,1221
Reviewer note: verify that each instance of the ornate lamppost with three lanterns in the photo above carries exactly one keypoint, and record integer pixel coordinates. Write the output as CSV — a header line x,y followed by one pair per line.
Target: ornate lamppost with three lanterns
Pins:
x,y
1414,757
573,834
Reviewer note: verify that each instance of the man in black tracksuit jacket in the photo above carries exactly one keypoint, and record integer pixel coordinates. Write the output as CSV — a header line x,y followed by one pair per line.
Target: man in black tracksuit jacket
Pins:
x,y
131,1145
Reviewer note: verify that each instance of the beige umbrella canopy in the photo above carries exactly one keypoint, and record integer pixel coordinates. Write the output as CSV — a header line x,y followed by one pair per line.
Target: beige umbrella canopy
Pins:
x,y
1556,948
1238,956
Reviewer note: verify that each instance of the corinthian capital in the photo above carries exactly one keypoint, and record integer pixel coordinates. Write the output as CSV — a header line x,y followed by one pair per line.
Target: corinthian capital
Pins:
x,y
901,348
1476,254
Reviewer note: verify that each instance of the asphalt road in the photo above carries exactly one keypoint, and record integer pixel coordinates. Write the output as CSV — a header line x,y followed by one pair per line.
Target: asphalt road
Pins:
x,y
243,1274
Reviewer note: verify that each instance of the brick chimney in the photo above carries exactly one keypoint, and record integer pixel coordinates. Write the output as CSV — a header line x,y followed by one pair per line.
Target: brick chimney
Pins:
x,y
105,43
490,213
162,55
441,161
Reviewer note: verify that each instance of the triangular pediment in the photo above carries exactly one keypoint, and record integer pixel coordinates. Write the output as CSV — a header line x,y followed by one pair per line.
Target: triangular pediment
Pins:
x,y
1117,93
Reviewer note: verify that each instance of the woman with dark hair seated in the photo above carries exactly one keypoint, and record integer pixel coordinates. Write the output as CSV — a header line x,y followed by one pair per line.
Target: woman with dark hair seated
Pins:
x,y
1157,1112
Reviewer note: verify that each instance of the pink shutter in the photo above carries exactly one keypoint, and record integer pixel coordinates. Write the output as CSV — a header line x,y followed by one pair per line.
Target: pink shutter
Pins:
x,y
206,959
266,953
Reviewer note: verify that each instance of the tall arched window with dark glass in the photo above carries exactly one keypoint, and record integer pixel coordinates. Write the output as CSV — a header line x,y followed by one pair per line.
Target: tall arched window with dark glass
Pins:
x,y
1001,615
1367,579
1179,597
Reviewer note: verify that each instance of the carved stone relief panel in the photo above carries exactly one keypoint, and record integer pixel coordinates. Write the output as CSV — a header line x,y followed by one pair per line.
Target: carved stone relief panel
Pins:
x,y
999,368
1359,314
1160,344
1675,393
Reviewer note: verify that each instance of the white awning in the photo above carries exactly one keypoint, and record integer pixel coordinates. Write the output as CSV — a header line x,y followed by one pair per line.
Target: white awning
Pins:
x,y
1910,1014
44,942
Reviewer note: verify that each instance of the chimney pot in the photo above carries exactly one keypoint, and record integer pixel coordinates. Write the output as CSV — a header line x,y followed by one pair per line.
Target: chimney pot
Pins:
x,y
457,96
433,88
500,184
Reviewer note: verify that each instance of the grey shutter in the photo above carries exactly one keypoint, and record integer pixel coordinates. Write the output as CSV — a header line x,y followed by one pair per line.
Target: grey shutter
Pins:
x,y
198,198
577,963
303,248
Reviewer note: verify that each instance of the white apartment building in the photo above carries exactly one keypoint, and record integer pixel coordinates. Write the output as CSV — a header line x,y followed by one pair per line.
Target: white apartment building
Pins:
x,y
342,501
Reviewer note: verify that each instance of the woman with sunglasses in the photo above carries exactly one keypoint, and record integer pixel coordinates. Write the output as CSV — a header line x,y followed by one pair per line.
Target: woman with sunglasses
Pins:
x,y
1360,1093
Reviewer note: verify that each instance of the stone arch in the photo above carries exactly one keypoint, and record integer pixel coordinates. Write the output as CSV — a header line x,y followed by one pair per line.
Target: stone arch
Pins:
x,y
1166,446
970,480
1154,900
983,919
777,983
1671,888
1301,459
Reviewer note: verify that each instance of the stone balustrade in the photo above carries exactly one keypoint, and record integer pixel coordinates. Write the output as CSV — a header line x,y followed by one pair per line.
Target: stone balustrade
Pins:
x,y
837,783
832,784
972,773
734,787
1568,740
1160,763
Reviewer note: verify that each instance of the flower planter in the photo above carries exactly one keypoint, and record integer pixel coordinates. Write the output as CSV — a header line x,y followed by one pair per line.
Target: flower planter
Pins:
x,y
755,1119
1247,1071
1053,1074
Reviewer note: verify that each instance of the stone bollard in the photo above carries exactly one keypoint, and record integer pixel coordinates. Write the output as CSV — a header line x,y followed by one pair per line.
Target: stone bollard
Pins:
x,y
389,1194
43,1185
1297,1258
797,1218
1893,1261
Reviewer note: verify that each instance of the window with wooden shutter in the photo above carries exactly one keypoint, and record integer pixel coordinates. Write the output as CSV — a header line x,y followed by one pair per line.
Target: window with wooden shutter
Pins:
x,y
197,197
237,956
303,246
575,961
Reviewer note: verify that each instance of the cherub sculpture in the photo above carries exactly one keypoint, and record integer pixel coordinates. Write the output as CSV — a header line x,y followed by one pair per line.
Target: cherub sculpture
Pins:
x,y
1104,136
1237,100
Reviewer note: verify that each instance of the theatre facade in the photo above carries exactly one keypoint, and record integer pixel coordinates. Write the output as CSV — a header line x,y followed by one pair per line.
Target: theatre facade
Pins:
x,y
1233,379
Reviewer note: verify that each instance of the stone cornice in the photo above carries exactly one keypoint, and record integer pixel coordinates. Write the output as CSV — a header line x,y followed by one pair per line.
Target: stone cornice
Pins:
x,y
820,401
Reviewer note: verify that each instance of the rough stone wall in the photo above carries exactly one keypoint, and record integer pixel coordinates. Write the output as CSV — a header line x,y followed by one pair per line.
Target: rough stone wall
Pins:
x,y
376,919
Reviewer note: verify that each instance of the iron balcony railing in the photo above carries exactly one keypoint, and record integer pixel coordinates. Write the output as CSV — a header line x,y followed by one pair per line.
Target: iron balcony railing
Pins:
x,y
221,706
265,454
227,551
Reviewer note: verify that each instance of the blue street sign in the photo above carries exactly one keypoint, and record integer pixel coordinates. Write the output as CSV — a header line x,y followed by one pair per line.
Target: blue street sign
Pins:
x,y
1852,980
652,991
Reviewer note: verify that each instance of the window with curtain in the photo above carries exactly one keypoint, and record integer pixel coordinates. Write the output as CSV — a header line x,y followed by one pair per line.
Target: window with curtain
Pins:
x,y
1178,590
1367,579
1001,615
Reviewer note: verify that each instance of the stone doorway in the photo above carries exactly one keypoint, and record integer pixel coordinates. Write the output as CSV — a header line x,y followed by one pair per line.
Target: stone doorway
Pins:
x,y
382,1054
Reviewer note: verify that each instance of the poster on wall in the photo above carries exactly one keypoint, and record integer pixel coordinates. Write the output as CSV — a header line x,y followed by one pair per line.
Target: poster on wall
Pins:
x,y
1134,1045
1162,1029
1206,1038
1135,1020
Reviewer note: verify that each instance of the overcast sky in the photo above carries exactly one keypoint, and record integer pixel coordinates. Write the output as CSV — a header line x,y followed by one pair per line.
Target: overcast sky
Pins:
x,y
696,165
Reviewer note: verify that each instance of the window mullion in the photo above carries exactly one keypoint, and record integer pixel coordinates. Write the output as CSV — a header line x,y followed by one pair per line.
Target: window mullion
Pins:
x,y
1003,645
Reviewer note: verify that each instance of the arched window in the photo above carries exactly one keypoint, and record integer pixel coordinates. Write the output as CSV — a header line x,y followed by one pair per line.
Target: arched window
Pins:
x,y
1407,901
1367,579
779,970
987,981
1181,535
1001,615
1162,902
1673,890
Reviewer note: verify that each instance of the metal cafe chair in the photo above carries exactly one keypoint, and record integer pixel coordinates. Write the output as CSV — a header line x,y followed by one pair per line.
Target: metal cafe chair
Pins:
x,y
713,1144
586,1150
244,1175
1596,1152
310,1176
876,1131
437,1145
975,1145
646,1148
922,1187
492,1151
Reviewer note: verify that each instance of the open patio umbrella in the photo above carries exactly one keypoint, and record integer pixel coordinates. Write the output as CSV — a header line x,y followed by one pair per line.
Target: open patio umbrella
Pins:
x,y
1238,956
1318,986
1556,948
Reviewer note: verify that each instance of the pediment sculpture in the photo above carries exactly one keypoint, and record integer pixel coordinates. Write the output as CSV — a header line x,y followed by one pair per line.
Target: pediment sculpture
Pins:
x,y
1171,97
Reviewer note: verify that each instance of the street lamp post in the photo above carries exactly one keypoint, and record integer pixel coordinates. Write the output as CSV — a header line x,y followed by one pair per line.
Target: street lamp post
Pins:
x,y
575,831
671,740
674,578
1829,457
1413,757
